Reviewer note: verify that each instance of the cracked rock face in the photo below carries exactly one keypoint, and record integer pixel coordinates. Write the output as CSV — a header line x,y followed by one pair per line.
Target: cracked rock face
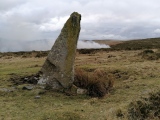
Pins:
x,y
58,69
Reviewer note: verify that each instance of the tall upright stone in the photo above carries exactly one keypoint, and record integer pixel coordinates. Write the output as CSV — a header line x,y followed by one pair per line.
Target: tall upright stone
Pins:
x,y
58,69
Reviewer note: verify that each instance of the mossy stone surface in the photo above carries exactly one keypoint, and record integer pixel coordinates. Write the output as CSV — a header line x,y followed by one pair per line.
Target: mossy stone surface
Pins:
x,y
58,69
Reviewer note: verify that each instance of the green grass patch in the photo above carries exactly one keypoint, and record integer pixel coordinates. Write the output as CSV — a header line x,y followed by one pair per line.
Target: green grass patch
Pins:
x,y
134,77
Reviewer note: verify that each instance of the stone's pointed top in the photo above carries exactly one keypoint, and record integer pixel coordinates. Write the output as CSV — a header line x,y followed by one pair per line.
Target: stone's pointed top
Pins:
x,y
75,13
73,21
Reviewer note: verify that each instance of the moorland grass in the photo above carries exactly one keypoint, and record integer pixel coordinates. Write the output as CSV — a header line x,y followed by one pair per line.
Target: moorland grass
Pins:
x,y
134,77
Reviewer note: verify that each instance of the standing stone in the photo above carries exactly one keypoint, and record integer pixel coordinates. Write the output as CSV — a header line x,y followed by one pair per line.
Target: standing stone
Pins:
x,y
58,69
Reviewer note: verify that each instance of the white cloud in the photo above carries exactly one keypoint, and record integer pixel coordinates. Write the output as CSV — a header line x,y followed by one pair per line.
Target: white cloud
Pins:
x,y
53,24
90,44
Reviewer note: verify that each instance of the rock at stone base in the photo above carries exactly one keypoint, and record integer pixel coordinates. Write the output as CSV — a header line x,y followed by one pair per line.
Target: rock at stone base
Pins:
x,y
74,90
58,69
81,91
41,81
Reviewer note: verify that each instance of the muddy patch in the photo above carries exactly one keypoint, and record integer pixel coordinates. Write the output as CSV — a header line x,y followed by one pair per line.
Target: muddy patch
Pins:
x,y
30,79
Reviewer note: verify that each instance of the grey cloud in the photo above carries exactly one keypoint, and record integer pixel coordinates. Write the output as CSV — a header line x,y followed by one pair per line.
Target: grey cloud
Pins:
x,y
9,4
13,46
27,20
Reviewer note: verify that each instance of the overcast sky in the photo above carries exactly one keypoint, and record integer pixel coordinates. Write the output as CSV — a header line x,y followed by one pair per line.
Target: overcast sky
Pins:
x,y
27,20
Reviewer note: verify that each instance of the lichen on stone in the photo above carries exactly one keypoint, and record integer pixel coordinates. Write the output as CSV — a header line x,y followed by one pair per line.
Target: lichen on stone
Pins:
x,y
59,65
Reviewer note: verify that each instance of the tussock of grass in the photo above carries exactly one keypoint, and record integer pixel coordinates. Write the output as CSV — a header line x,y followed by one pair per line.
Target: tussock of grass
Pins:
x,y
97,82
150,54
146,108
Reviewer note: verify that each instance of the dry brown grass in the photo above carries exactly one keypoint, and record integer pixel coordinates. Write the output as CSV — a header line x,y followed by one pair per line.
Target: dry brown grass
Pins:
x,y
98,82
150,54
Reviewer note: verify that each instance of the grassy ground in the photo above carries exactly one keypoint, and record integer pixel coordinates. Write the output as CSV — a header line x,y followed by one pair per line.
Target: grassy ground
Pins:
x,y
134,77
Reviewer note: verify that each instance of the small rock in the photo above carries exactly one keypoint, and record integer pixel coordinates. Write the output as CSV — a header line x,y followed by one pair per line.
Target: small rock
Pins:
x,y
73,89
4,90
81,91
35,78
37,97
27,88
25,78
7,89
42,81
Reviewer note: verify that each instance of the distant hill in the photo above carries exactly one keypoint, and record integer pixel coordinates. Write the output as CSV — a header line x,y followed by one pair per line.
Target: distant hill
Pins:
x,y
150,43
86,45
